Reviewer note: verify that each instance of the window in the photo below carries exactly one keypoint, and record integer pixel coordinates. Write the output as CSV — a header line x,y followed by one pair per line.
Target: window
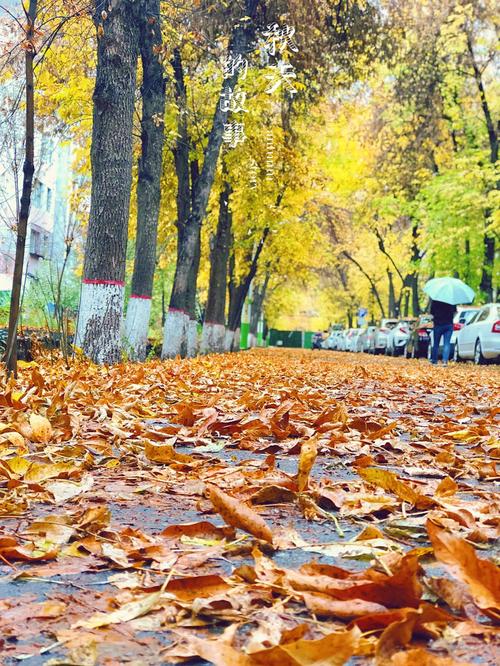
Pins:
x,y
45,245
37,194
35,242
48,200
483,315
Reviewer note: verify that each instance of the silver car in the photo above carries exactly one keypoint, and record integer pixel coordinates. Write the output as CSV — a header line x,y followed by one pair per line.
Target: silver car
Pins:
x,y
379,342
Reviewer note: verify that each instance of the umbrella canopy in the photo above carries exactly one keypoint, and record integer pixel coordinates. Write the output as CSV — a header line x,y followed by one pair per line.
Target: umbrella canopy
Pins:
x,y
449,290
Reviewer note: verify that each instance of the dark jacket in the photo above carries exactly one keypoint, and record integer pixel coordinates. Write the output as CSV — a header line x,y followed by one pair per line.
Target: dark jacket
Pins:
x,y
443,313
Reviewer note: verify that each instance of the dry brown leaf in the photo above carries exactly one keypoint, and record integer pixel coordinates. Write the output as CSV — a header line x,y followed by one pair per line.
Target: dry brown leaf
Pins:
x,y
164,453
324,606
420,657
238,514
395,636
481,576
446,487
41,430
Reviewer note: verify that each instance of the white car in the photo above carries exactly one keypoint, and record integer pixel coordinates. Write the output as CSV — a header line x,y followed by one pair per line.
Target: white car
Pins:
x,y
366,338
357,340
341,340
379,341
398,337
480,338
332,341
351,337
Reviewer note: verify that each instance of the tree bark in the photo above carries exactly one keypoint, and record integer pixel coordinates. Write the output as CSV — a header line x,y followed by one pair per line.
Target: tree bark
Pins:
x,y
258,298
214,329
148,182
176,322
486,285
239,291
24,209
240,43
490,125
101,301
392,295
192,330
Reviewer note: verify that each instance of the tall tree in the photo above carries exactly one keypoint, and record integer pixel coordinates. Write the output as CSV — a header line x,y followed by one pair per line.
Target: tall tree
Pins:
x,y
148,181
214,329
102,294
28,171
177,319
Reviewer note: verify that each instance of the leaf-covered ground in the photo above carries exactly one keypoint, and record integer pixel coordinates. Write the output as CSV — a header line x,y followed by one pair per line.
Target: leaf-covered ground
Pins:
x,y
273,507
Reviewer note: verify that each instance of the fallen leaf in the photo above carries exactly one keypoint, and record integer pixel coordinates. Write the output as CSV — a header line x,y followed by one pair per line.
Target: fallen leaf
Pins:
x,y
238,514
389,481
40,428
127,612
308,453
481,576
422,657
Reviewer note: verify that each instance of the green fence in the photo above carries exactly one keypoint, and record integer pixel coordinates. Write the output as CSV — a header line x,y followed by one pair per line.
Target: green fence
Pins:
x,y
296,339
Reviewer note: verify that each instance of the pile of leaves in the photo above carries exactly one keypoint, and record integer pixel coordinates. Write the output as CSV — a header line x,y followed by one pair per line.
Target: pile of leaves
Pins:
x,y
270,507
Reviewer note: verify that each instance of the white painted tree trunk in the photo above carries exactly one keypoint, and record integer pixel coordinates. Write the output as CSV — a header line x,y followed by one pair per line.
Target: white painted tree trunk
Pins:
x,y
100,321
228,340
232,340
136,327
213,338
252,340
175,334
192,338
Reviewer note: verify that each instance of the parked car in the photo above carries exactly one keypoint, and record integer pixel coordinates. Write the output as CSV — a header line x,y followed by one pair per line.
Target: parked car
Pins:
x,y
480,338
418,343
365,339
398,337
462,317
379,342
351,338
341,340
357,341
338,341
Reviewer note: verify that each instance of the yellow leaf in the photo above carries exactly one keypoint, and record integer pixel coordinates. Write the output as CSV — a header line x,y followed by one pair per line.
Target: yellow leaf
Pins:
x,y
389,481
41,428
164,453
308,453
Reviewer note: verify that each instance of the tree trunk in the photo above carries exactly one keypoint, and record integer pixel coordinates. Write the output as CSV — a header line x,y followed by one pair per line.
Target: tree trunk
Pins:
x,y
24,209
238,293
239,45
176,318
258,298
392,295
101,300
214,330
488,262
192,330
148,183
486,285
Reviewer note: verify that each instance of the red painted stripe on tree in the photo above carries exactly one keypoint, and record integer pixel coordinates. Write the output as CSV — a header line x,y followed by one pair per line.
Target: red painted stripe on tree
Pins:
x,y
117,283
177,310
145,298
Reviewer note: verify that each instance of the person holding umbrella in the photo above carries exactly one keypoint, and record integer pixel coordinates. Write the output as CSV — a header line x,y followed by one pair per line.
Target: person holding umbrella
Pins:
x,y
446,293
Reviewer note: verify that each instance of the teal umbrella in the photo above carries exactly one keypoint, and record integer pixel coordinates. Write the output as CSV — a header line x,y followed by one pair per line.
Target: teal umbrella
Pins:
x,y
449,290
